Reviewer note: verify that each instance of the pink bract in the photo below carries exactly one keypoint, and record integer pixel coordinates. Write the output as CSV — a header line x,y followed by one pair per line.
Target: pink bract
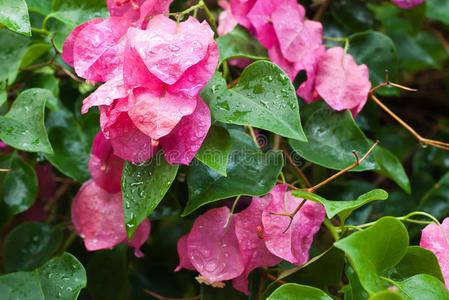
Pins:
x,y
213,247
240,10
250,235
260,17
292,245
290,68
341,82
98,218
407,3
184,141
104,166
140,237
226,21
310,63
184,259
436,239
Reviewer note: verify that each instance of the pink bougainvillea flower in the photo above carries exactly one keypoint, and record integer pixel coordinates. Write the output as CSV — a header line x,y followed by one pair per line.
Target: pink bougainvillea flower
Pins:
x,y
226,21
184,141
138,10
98,218
310,63
240,10
250,235
213,248
140,237
260,17
184,259
292,245
436,239
341,82
407,3
296,37
104,166
290,68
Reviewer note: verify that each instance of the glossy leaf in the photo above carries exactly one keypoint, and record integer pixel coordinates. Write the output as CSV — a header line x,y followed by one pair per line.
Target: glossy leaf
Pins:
x,y
422,286
40,6
12,50
239,43
143,188
352,14
264,98
378,52
14,15
438,10
291,291
34,52
76,12
30,245
391,167
387,295
250,172
374,250
62,278
71,144
23,126
18,187
356,290
343,208
215,150
436,200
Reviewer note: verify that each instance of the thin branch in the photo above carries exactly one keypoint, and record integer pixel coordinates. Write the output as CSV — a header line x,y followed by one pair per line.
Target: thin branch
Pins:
x,y
273,278
157,296
297,169
5,170
319,14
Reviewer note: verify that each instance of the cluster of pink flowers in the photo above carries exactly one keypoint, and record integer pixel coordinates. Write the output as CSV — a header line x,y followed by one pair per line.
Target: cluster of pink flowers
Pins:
x,y
153,69
224,247
295,44
97,210
436,239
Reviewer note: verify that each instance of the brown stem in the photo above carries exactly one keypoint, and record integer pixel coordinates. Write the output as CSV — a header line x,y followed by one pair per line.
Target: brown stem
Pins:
x,y
273,278
319,14
5,170
297,169
425,141
157,296
61,191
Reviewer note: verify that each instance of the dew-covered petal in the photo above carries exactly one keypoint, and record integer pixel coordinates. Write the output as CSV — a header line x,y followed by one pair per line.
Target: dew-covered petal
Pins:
x,y
140,237
226,21
249,232
104,166
310,63
151,8
340,81
69,44
110,113
99,49
240,10
213,247
124,8
182,144
290,68
106,93
128,142
296,37
260,17
196,77
292,245
168,51
156,115
98,217
436,239
407,3
184,259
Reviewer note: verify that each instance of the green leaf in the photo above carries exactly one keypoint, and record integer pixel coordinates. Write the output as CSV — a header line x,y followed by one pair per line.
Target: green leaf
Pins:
x,y
438,10
76,12
264,98
416,261
61,278
352,14
71,144
331,138
42,7
374,250
292,291
356,290
215,150
107,274
18,187
12,50
23,126
250,172
343,208
391,167
378,52
436,200
3,94
239,43
34,52
143,188
422,286
30,245
14,15
387,295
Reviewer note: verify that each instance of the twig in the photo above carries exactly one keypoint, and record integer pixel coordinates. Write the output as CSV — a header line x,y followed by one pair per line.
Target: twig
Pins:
x,y
297,169
319,14
273,278
5,170
157,296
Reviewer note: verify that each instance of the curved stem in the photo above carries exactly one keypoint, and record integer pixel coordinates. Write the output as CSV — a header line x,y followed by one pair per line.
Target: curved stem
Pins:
x,y
331,229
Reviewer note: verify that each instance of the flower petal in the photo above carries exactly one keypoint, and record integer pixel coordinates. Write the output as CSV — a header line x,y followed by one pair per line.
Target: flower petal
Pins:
x,y
291,69
226,21
260,17
213,248
407,3
184,259
310,63
140,237
182,144
240,10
